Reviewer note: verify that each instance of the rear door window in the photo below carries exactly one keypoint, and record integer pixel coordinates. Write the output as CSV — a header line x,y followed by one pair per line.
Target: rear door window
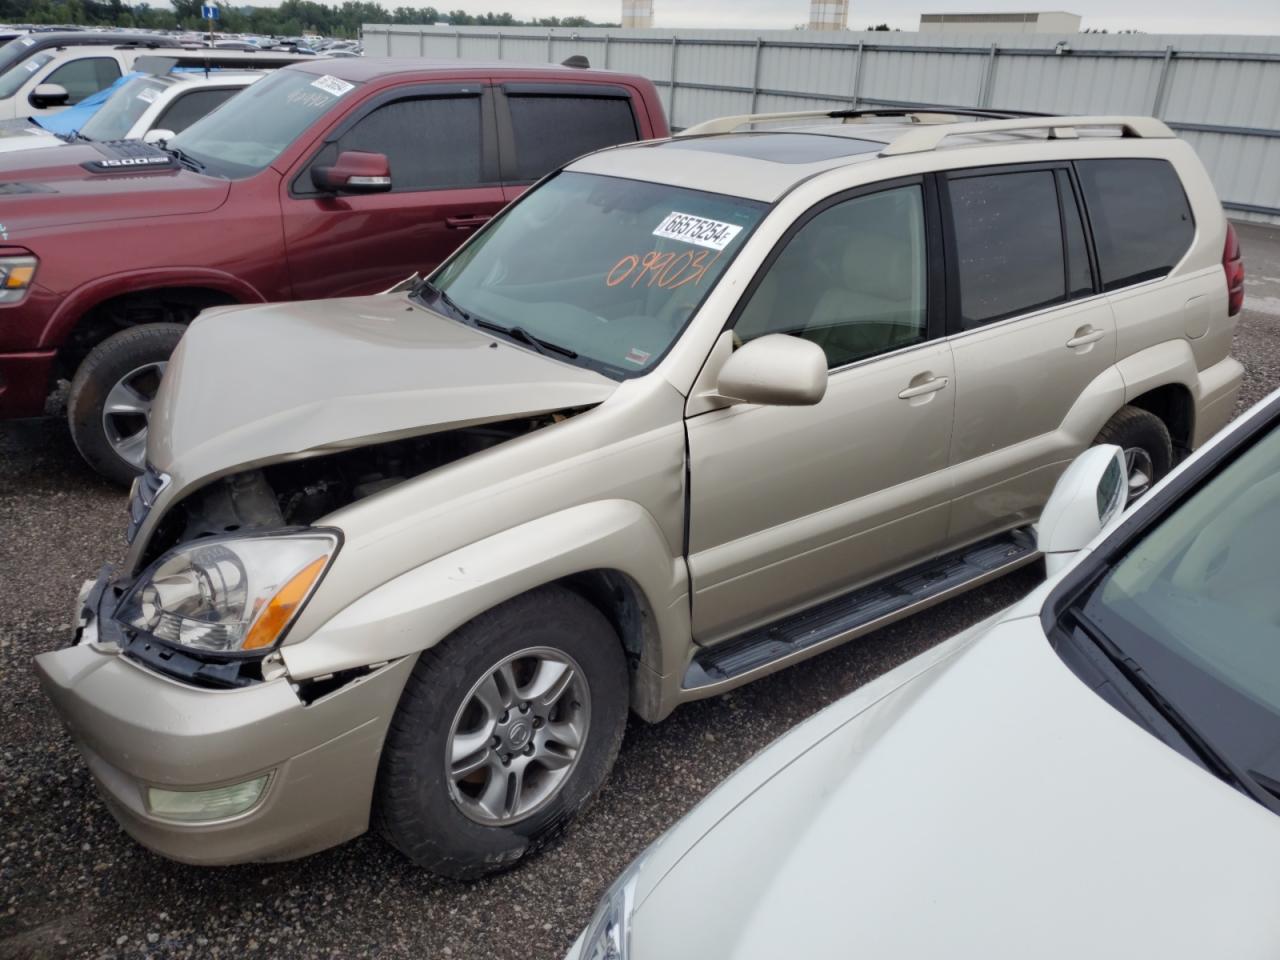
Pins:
x,y
190,107
84,77
549,129
1142,223
1007,246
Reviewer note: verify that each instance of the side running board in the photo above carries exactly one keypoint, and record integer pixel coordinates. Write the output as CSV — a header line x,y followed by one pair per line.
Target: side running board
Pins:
x,y
859,610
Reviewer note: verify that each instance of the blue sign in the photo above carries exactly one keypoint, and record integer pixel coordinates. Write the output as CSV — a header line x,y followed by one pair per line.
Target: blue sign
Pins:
x,y
209,11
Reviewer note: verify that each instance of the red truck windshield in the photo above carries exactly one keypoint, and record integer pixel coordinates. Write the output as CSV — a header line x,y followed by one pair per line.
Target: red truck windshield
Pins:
x,y
259,122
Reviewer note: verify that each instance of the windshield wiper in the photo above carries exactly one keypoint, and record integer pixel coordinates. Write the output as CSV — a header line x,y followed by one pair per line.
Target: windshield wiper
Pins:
x,y
524,336
520,334
185,159
1215,759
447,300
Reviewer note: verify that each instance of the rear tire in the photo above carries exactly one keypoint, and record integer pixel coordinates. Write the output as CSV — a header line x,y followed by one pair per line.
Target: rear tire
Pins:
x,y
124,370
450,719
1148,449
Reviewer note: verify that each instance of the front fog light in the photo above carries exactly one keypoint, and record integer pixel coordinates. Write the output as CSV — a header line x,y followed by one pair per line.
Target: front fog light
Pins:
x,y
194,806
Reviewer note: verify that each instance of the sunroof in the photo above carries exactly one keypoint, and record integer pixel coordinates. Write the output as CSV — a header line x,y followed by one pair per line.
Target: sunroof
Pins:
x,y
779,147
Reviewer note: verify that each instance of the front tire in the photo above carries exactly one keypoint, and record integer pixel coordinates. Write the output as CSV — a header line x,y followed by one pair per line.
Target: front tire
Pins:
x,y
109,407
503,733
1148,449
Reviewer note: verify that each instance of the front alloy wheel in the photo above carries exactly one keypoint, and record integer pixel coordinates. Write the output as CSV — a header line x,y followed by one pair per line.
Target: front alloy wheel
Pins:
x,y
504,731
517,736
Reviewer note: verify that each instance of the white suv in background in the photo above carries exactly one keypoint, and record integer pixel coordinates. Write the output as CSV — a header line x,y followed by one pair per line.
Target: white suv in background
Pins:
x,y
154,108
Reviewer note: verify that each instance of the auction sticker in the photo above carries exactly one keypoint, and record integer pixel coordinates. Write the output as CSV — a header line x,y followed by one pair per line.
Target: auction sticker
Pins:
x,y
28,42
690,229
148,95
332,85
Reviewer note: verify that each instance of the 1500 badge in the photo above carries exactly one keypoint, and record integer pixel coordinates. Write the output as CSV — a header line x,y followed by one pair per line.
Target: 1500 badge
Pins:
x,y
130,163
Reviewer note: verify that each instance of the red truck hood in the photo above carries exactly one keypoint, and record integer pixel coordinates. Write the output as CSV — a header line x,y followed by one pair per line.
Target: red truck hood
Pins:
x,y
69,184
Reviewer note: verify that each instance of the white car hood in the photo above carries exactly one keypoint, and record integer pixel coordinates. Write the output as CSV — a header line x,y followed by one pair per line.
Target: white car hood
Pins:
x,y
979,802
25,135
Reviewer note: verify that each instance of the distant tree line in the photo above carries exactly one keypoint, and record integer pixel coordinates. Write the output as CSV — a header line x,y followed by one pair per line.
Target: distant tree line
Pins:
x,y
290,19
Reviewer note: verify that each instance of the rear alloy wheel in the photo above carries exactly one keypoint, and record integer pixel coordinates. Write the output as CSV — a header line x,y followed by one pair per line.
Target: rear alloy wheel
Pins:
x,y
109,407
1148,450
504,731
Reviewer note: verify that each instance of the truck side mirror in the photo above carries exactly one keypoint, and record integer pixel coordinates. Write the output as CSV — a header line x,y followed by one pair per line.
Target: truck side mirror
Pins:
x,y
49,95
1087,500
157,135
354,172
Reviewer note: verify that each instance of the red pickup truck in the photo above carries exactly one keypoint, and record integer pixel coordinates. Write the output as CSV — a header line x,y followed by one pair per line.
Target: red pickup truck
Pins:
x,y
328,178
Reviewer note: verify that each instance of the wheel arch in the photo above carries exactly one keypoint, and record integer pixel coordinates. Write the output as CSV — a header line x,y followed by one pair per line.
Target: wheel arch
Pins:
x,y
612,553
95,311
1175,405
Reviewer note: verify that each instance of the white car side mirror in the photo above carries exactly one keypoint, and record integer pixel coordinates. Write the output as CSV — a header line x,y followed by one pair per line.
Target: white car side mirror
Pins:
x,y
157,135
1088,499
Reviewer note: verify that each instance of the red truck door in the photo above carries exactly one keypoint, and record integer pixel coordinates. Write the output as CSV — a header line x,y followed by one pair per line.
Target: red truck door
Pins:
x,y
441,142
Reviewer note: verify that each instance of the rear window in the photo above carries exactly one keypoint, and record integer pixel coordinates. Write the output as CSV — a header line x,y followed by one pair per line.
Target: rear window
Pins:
x,y
1142,223
552,130
190,107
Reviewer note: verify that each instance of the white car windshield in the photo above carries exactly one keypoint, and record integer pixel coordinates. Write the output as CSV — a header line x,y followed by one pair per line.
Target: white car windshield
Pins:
x,y
1195,606
259,122
116,117
610,270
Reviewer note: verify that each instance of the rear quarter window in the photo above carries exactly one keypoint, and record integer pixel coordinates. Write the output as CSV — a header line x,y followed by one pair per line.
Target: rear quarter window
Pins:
x,y
552,130
1142,223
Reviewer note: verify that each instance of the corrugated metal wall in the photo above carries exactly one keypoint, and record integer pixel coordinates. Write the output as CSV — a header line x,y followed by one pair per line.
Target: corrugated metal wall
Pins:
x,y
1220,92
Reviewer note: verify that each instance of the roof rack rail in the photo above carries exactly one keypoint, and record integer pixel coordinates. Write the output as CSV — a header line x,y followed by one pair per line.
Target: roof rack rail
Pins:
x,y
925,138
731,123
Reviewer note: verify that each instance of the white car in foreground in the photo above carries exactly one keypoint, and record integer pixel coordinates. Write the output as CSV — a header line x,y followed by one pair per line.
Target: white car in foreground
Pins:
x,y
1093,772
145,107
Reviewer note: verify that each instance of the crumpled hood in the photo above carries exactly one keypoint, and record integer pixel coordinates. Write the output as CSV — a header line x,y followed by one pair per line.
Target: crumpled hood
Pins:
x,y
254,385
49,186
993,806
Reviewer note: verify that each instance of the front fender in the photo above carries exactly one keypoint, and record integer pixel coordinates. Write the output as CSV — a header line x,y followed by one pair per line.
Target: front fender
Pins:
x,y
84,298
422,606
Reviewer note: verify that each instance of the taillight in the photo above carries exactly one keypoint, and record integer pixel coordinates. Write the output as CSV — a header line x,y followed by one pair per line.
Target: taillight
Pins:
x,y
1233,266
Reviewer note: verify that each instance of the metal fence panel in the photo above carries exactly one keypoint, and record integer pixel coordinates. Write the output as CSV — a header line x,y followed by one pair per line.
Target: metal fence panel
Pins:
x,y
1222,93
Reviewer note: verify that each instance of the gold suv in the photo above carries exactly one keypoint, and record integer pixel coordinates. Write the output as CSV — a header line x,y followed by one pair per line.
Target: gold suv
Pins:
x,y
688,412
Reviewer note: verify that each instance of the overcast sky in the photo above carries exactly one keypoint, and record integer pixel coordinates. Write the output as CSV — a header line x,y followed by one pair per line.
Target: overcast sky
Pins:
x,y
1149,16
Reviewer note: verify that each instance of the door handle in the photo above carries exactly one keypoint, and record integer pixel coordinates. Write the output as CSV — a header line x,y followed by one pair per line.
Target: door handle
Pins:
x,y
1085,336
920,389
465,223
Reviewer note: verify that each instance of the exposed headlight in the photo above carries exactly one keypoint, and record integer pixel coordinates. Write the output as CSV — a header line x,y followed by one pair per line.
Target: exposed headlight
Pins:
x,y
16,274
230,594
609,933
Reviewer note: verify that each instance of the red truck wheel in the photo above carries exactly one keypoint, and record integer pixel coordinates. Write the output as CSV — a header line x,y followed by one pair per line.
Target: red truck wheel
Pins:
x,y
110,402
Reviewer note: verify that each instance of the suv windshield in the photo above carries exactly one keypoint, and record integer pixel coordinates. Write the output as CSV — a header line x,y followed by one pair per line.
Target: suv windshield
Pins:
x,y
1195,606
15,74
116,117
259,122
609,269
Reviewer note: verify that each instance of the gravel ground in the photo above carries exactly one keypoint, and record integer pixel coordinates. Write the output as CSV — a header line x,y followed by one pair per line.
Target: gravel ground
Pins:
x,y
73,885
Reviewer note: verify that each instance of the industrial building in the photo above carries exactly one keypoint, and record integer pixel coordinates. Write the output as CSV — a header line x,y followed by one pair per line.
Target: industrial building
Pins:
x,y
1048,21
637,13
829,15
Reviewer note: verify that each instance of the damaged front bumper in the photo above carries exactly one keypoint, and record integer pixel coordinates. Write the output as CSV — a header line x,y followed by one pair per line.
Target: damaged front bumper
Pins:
x,y
159,748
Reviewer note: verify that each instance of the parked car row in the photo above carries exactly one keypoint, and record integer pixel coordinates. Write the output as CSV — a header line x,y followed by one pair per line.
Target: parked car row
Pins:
x,y
687,411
